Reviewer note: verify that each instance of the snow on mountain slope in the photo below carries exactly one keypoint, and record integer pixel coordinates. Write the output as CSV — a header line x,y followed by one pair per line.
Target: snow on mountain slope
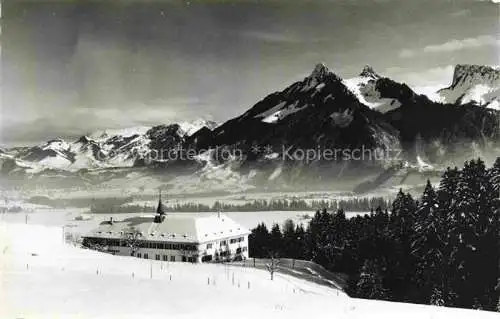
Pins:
x,y
102,136
431,92
316,111
474,83
46,279
298,96
279,112
102,149
191,127
364,87
54,154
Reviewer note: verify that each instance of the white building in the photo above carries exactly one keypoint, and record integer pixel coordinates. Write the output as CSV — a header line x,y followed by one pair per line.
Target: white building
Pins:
x,y
192,237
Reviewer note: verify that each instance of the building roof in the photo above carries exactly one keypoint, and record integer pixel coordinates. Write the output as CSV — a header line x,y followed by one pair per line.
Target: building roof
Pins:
x,y
177,227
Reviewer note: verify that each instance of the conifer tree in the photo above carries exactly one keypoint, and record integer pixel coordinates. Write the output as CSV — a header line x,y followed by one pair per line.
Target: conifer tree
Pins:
x,y
259,241
436,298
301,236
475,227
276,245
428,244
369,285
400,268
495,176
289,238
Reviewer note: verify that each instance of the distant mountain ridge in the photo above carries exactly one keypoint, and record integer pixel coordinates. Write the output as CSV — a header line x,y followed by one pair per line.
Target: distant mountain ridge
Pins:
x,y
321,111
103,149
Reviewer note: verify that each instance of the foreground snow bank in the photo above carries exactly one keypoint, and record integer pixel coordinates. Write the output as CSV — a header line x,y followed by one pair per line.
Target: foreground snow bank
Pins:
x,y
43,278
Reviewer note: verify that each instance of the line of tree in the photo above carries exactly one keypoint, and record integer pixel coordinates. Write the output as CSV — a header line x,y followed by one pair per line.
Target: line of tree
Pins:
x,y
442,249
352,204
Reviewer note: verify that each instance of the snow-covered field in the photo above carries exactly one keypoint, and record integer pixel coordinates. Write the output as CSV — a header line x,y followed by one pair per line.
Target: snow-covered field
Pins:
x,y
40,277
78,222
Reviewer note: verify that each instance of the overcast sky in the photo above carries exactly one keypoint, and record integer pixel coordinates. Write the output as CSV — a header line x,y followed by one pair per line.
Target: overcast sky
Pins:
x,y
70,67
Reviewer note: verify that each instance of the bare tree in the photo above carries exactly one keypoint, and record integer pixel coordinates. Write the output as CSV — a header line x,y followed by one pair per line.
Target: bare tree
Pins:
x,y
132,238
273,265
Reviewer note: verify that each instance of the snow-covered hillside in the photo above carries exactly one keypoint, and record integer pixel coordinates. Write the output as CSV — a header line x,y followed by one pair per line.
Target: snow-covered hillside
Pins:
x,y
43,278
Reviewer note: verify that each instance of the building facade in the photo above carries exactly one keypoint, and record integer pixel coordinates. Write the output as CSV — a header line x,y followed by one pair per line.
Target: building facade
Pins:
x,y
184,237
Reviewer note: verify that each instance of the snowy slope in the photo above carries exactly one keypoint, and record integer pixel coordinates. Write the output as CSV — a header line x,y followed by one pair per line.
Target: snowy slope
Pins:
x,y
364,88
46,279
474,83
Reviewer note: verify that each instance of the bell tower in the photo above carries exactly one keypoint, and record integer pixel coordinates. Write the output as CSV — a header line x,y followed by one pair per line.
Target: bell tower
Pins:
x,y
160,210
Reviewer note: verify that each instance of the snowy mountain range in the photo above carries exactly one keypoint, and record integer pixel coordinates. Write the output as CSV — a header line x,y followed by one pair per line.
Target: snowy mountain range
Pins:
x,y
104,149
322,111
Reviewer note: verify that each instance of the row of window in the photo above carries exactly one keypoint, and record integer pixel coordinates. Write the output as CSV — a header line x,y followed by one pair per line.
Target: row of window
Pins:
x,y
224,242
151,245
236,240
165,257
155,245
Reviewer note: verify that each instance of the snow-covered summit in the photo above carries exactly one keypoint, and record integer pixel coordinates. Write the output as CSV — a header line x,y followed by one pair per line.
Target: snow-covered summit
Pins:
x,y
364,87
472,73
320,72
124,132
369,72
474,83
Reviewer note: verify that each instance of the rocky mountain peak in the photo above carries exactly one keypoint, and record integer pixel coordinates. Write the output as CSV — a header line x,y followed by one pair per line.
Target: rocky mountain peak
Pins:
x,y
320,72
369,72
471,72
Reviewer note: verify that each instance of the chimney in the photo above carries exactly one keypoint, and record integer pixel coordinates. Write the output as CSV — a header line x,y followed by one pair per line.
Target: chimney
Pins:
x,y
111,220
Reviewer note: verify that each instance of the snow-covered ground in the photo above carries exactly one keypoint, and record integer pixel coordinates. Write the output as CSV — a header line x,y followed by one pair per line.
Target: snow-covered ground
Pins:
x,y
78,221
40,277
